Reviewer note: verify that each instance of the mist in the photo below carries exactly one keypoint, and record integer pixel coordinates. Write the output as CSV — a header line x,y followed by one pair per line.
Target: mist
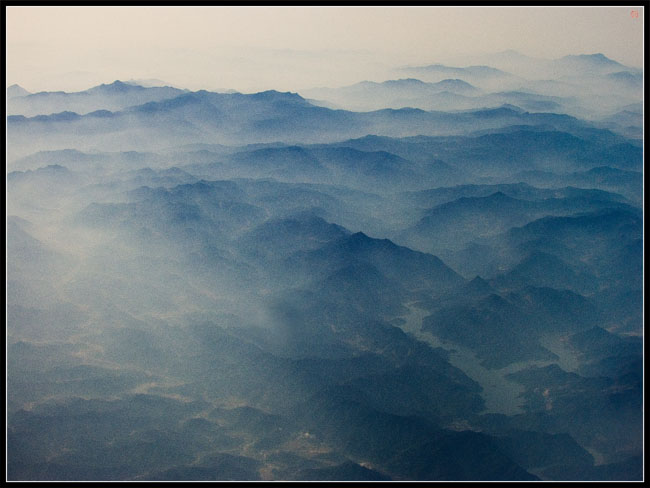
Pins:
x,y
287,49
294,257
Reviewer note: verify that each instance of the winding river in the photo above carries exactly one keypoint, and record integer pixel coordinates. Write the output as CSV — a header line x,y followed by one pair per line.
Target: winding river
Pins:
x,y
500,394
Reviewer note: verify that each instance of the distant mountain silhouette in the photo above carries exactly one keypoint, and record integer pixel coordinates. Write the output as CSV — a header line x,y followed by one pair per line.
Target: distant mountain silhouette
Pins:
x,y
16,91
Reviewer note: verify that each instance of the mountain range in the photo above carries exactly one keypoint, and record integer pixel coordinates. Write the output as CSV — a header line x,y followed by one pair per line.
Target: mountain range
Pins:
x,y
431,277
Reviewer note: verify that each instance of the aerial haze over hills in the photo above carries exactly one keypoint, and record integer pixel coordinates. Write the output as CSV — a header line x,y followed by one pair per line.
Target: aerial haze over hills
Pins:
x,y
288,48
432,273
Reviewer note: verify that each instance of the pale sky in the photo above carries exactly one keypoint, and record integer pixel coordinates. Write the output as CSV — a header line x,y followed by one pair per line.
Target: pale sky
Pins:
x,y
289,48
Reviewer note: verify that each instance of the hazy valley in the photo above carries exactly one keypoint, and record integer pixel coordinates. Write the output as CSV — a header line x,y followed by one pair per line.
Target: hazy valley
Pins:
x,y
436,276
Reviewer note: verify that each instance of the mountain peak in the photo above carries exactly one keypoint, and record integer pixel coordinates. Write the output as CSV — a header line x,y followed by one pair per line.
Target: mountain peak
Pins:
x,y
16,91
359,240
274,95
478,286
359,237
477,280
600,57
596,59
404,81
116,87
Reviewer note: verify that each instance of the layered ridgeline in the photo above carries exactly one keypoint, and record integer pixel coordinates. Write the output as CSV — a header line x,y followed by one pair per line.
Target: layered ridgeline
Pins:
x,y
437,277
